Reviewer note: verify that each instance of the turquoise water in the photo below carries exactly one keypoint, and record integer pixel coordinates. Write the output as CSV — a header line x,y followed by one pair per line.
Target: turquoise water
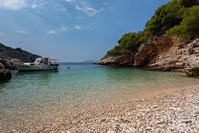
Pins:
x,y
32,97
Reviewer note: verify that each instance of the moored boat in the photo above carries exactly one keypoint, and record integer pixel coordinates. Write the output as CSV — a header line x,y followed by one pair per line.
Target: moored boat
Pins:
x,y
40,64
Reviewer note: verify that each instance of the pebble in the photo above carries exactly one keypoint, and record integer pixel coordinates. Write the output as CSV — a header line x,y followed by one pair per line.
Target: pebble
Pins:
x,y
148,128
187,121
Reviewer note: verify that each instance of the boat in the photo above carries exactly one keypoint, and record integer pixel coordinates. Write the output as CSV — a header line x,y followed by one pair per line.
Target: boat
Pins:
x,y
40,64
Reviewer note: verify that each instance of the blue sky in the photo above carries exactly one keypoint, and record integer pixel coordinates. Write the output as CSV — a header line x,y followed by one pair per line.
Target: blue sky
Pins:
x,y
72,30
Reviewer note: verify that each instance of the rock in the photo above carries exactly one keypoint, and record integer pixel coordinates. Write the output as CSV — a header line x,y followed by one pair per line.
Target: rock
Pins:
x,y
154,48
161,53
5,74
120,60
148,128
5,69
190,51
8,65
191,45
183,59
155,106
2,66
187,121
145,54
182,45
192,71
196,112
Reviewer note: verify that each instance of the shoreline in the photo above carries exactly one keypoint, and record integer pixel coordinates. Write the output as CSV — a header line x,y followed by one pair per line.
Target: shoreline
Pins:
x,y
167,110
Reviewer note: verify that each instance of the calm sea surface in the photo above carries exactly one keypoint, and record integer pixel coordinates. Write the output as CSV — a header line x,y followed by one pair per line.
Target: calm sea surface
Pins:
x,y
29,98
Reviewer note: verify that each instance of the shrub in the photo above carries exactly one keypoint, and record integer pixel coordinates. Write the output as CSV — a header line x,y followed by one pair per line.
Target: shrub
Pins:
x,y
127,43
189,25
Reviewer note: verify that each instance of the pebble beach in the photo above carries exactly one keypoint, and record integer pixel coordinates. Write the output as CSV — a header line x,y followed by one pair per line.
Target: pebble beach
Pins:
x,y
174,110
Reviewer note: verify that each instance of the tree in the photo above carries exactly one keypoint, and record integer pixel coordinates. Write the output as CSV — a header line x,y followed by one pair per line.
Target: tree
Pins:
x,y
166,17
189,25
128,43
188,3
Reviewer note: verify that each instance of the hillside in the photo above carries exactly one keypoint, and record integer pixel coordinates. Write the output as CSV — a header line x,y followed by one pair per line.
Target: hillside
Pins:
x,y
174,27
10,53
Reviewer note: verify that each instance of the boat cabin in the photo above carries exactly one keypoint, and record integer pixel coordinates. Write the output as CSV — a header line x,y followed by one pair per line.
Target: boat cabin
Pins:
x,y
46,61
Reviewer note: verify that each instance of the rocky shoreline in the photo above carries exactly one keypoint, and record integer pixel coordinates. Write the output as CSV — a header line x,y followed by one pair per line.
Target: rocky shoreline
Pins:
x,y
164,53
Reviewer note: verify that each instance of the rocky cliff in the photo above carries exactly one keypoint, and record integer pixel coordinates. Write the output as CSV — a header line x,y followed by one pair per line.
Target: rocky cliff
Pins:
x,y
166,53
8,56
121,60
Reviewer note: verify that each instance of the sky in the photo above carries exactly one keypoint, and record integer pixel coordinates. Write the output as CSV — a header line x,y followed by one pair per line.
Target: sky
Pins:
x,y
72,30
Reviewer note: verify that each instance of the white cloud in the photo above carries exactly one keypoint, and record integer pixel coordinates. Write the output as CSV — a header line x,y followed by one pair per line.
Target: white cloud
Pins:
x,y
87,10
13,4
70,0
63,28
57,31
22,32
77,27
51,32
19,4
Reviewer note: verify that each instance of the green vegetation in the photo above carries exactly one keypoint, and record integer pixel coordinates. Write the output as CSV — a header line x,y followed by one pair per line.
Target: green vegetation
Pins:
x,y
189,25
178,17
128,43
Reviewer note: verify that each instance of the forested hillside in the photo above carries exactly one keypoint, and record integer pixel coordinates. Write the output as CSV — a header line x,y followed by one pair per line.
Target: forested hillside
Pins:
x,y
178,17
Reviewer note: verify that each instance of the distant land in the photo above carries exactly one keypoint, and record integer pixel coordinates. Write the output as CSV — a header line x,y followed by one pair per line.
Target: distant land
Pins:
x,y
92,61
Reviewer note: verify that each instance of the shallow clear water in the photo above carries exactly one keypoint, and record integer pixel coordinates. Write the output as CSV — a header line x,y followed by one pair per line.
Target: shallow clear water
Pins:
x,y
41,95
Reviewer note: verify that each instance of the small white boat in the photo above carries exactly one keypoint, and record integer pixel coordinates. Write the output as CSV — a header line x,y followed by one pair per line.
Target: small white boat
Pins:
x,y
40,64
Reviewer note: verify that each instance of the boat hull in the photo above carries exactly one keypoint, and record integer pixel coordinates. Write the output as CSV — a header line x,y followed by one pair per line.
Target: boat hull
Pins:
x,y
24,67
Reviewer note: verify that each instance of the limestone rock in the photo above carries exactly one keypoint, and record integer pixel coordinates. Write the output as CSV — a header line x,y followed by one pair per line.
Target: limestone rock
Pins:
x,y
185,59
165,53
145,54
120,60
